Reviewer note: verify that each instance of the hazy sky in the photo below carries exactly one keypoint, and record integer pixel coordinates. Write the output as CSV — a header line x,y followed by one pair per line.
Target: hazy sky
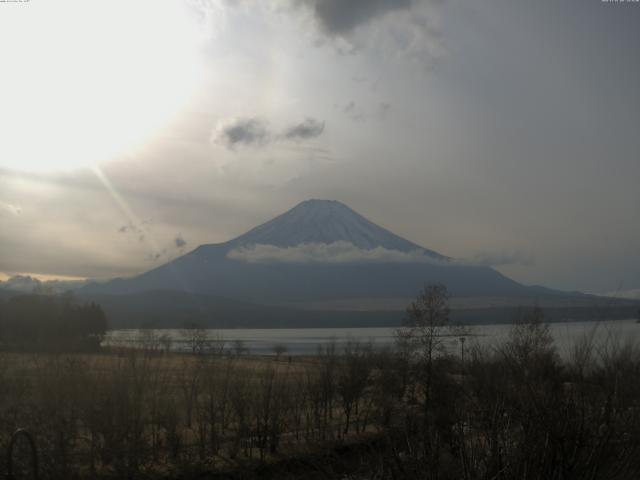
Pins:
x,y
501,130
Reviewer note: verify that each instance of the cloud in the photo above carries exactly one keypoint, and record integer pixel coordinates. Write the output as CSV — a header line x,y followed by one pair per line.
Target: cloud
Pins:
x,y
29,284
309,128
176,247
10,208
155,256
392,28
383,110
501,259
179,242
242,131
255,132
21,283
339,17
629,294
346,252
357,114
140,229
336,252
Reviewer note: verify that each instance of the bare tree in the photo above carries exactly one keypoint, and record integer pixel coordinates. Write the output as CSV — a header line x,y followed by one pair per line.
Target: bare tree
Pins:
x,y
217,344
196,337
239,347
166,341
427,319
190,383
279,349
352,379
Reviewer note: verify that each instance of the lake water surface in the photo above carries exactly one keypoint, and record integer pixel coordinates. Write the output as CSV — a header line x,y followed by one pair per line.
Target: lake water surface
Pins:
x,y
305,341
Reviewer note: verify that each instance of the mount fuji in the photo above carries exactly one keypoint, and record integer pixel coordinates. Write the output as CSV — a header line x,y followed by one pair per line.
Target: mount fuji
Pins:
x,y
318,250
319,256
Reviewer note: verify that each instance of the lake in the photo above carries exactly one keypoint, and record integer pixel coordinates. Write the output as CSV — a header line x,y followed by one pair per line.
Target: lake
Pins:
x,y
305,341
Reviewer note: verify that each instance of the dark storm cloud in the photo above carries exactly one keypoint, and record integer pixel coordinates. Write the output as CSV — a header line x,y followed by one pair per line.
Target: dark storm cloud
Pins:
x,y
309,128
403,28
242,131
255,132
340,17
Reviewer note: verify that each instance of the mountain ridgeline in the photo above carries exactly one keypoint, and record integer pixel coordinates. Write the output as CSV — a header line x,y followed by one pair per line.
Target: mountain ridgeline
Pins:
x,y
319,252
367,261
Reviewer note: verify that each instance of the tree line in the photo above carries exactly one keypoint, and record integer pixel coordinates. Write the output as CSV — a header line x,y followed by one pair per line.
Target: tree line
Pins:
x,y
45,322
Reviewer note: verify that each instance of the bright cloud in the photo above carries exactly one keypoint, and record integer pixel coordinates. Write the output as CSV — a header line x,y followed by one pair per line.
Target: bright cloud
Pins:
x,y
336,252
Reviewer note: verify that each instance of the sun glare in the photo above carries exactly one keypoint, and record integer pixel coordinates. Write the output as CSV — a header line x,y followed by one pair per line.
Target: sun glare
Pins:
x,y
84,81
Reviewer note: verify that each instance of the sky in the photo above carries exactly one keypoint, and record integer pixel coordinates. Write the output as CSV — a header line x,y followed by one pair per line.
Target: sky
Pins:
x,y
501,130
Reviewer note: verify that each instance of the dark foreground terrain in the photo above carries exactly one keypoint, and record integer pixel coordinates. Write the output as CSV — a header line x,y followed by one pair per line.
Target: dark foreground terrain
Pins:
x,y
513,412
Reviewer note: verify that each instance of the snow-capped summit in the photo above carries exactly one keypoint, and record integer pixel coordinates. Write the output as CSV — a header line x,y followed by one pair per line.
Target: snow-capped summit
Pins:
x,y
326,221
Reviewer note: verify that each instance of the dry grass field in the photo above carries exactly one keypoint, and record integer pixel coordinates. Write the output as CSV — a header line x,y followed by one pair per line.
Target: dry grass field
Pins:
x,y
511,412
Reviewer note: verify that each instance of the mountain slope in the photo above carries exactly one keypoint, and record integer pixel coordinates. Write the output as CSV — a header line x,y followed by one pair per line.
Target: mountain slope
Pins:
x,y
384,265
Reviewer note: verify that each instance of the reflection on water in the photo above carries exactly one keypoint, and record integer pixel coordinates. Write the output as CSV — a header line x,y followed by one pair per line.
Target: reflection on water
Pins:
x,y
305,341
